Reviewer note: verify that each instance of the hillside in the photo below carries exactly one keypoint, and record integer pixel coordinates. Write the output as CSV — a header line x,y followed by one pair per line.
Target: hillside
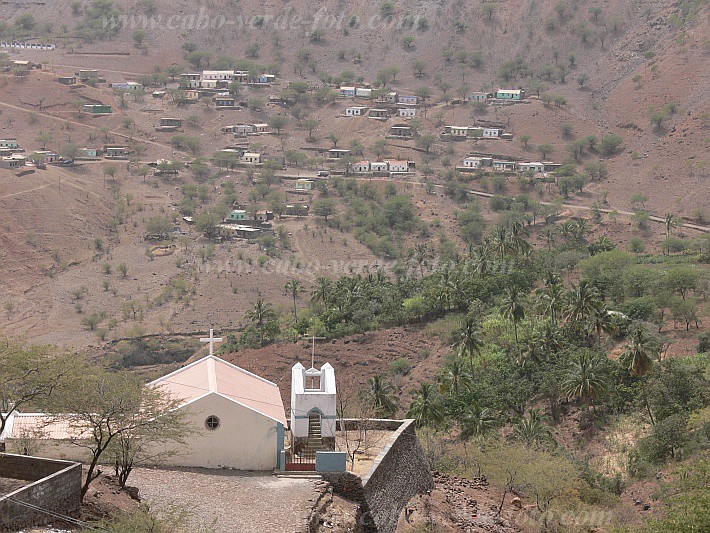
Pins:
x,y
555,270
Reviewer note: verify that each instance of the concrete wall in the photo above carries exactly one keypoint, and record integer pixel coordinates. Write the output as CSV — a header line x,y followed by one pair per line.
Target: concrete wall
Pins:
x,y
54,485
399,473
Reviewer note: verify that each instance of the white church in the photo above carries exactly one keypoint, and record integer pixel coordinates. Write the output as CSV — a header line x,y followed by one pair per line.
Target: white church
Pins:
x,y
236,419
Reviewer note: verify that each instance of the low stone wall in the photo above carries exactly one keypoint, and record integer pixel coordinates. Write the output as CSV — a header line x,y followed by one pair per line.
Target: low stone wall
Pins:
x,y
54,485
399,473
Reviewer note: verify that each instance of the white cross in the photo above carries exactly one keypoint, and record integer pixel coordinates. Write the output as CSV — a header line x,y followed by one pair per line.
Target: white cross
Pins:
x,y
211,339
313,338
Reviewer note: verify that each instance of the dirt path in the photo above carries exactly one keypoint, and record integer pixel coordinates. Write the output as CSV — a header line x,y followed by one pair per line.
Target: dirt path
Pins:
x,y
81,124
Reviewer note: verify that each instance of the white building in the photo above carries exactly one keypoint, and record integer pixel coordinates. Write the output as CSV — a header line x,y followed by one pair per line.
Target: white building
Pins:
x,y
407,112
379,166
534,166
491,133
313,403
127,86
356,111
235,419
220,75
472,162
361,167
398,166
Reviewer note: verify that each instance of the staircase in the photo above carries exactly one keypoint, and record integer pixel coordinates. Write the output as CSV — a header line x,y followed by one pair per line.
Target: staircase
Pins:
x,y
315,438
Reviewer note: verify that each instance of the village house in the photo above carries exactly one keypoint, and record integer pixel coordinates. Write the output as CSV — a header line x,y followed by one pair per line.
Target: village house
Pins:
x,y
190,96
472,162
491,133
363,92
45,156
10,162
534,166
479,97
241,130
190,80
252,158
242,76
239,231
213,85
158,94
459,131
337,153
224,101
261,128
10,144
401,130
221,75
549,166
510,94
67,80
169,124
397,166
379,167
264,79
88,153
407,112
506,136
97,109
391,97
356,111
264,215
407,99
361,167
504,166
347,92
88,74
115,152
237,215
379,113
303,184
297,210
127,86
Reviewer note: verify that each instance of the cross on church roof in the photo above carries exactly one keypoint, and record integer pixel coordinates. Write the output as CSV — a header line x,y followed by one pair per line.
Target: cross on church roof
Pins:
x,y
211,339
313,340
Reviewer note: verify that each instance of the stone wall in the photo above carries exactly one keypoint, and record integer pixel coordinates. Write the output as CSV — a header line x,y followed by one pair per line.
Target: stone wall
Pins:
x,y
399,473
54,485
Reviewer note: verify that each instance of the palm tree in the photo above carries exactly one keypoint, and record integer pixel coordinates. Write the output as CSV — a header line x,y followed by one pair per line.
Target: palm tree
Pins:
x,y
638,359
421,255
549,236
512,308
380,396
477,422
294,288
582,301
469,342
321,290
550,300
585,377
533,431
425,408
455,377
260,314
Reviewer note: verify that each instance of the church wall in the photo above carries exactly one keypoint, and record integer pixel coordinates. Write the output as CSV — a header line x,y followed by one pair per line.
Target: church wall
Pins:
x,y
244,440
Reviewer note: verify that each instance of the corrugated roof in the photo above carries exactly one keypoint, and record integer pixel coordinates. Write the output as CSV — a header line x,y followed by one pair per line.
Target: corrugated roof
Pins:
x,y
43,426
214,375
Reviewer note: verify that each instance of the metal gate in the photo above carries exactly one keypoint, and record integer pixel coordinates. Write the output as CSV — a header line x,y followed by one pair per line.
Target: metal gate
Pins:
x,y
304,461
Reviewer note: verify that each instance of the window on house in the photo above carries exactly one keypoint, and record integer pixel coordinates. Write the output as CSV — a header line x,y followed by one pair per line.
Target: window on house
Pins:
x,y
212,422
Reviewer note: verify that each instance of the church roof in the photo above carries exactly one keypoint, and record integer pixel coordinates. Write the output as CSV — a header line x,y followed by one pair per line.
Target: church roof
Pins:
x,y
212,375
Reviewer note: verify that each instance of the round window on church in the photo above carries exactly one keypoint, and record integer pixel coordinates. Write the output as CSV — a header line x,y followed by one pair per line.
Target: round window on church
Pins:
x,y
212,422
